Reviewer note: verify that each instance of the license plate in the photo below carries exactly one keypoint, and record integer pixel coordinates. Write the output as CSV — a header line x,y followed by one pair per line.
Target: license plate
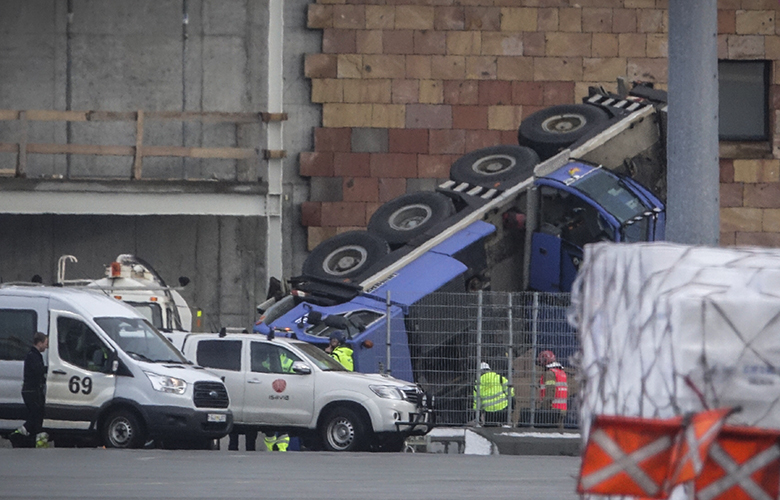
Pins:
x,y
217,417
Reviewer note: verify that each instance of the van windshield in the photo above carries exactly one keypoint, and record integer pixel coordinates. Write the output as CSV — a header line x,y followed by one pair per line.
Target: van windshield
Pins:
x,y
140,340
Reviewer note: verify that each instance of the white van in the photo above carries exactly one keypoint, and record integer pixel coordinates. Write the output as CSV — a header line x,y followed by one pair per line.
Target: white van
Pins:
x,y
284,385
110,372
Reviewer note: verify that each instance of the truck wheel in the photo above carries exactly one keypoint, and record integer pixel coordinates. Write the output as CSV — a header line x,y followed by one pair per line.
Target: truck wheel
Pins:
x,y
551,129
345,255
400,220
343,430
122,430
489,167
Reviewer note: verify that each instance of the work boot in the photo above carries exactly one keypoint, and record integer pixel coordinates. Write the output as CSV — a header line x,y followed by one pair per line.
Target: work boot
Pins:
x,y
42,440
20,438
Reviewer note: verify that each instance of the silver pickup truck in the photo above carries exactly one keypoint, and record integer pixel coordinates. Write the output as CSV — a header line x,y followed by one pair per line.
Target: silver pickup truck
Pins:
x,y
284,385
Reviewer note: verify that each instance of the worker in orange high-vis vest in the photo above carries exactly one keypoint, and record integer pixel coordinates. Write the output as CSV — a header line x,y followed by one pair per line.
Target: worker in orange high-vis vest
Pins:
x,y
553,390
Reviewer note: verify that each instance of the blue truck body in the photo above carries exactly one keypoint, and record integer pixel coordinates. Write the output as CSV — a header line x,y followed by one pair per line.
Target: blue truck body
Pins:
x,y
553,268
515,234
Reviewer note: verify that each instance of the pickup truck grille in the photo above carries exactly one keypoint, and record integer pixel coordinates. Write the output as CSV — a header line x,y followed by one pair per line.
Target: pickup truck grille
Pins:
x,y
413,395
210,395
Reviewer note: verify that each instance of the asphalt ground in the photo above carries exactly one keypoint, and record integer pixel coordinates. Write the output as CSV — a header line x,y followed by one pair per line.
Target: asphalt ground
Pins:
x,y
150,474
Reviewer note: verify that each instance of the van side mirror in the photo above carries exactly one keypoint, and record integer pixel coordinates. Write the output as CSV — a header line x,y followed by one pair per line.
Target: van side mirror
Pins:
x,y
301,368
184,281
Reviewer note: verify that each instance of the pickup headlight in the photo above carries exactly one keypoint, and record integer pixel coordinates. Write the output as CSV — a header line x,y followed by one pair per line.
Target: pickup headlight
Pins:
x,y
164,383
387,391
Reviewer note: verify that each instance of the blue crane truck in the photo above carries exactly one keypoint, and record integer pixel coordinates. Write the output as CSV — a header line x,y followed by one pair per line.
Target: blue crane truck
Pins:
x,y
511,218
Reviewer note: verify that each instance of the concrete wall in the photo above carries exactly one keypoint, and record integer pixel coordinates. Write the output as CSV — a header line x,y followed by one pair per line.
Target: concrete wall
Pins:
x,y
154,55
126,56
220,255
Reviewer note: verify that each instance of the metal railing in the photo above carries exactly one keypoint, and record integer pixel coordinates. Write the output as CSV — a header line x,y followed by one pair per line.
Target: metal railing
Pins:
x,y
451,334
139,150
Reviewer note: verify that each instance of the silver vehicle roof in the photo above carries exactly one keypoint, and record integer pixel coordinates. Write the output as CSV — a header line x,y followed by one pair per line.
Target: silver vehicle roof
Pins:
x,y
87,303
193,337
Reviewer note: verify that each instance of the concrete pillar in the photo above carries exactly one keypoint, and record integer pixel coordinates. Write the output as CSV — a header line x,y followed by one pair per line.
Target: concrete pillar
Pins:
x,y
693,200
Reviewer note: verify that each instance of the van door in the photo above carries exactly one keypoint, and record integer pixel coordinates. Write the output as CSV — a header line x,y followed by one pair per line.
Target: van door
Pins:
x,y
274,394
20,318
80,378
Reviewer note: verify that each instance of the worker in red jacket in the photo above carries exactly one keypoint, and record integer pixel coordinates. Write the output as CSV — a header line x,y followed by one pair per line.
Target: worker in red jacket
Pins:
x,y
553,390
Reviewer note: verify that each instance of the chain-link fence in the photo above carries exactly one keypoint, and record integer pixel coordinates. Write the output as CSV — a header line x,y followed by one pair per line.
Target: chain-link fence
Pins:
x,y
451,334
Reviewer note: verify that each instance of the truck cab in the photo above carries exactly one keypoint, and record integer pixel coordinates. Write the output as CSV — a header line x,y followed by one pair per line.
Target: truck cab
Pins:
x,y
581,204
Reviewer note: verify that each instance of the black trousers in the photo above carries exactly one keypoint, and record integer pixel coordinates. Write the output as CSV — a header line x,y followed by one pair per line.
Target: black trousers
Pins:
x,y
35,402
250,436
496,417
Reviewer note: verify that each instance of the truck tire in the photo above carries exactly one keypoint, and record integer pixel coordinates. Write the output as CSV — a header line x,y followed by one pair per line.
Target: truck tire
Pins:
x,y
552,129
345,255
400,220
343,430
489,167
122,429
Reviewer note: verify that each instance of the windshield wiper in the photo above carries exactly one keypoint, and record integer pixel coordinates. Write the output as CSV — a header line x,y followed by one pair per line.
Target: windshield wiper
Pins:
x,y
139,356
169,361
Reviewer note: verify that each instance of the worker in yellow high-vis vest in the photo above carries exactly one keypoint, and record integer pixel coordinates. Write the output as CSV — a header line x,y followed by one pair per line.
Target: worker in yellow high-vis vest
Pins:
x,y
340,351
492,395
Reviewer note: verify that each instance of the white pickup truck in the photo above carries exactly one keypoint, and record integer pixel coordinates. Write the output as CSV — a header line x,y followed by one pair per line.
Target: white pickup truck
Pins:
x,y
284,385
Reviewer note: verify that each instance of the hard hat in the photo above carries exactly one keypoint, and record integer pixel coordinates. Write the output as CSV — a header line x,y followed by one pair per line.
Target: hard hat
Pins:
x,y
546,357
484,366
338,335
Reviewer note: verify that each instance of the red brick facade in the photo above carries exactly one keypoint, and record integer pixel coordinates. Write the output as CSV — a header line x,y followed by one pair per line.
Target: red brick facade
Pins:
x,y
407,86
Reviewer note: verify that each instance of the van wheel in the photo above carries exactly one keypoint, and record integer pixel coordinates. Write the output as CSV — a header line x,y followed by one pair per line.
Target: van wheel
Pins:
x,y
552,129
122,430
489,167
343,430
410,215
345,256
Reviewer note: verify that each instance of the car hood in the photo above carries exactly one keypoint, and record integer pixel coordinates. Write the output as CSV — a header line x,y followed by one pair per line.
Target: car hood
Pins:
x,y
188,373
372,378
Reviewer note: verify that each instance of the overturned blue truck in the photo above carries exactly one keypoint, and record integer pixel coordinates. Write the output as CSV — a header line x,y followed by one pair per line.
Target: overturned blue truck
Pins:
x,y
511,218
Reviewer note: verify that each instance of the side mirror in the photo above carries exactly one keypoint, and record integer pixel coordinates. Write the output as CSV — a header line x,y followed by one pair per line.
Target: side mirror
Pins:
x,y
301,368
184,281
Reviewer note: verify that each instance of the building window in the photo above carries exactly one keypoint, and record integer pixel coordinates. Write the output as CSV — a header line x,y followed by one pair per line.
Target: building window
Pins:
x,y
744,100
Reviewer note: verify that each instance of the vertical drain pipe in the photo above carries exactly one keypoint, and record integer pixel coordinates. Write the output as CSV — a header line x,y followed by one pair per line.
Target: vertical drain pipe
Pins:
x,y
185,21
68,82
275,139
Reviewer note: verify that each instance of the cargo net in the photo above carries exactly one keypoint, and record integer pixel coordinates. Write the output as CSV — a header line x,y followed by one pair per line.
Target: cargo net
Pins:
x,y
452,334
669,329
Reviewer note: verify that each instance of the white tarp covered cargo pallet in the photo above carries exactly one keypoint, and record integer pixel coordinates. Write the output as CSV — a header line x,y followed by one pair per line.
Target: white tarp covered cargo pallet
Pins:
x,y
667,329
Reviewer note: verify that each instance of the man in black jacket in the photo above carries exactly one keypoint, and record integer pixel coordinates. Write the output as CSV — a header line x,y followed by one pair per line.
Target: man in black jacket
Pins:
x,y
33,393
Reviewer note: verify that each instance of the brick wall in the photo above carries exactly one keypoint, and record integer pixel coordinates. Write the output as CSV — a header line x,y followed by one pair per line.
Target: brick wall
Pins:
x,y
408,86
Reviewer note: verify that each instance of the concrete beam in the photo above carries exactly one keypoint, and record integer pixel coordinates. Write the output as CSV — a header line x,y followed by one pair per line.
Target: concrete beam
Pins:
x,y
35,196
79,203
